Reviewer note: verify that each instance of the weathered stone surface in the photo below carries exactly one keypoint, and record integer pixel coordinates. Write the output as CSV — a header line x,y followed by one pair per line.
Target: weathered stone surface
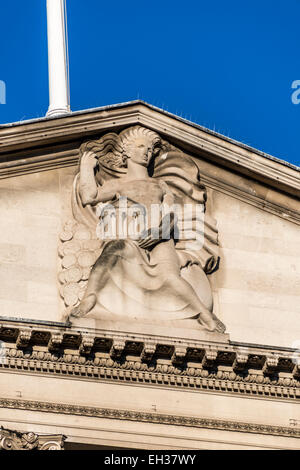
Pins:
x,y
257,279
139,276
143,385
259,274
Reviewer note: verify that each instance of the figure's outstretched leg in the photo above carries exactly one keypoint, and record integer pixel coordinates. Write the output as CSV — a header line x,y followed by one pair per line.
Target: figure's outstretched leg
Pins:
x,y
86,305
97,280
99,276
204,317
166,251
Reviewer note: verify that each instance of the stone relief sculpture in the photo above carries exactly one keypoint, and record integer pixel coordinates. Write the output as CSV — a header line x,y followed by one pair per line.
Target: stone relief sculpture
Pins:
x,y
123,260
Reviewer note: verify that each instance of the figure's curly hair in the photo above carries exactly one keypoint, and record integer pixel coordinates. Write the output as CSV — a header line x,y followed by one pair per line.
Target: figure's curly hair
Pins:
x,y
108,150
128,136
112,149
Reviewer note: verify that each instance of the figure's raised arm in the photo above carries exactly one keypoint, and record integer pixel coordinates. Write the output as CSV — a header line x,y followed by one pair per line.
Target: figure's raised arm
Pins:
x,y
91,192
88,186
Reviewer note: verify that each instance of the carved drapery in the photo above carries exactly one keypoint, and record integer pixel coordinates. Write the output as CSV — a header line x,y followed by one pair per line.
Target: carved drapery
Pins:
x,y
156,275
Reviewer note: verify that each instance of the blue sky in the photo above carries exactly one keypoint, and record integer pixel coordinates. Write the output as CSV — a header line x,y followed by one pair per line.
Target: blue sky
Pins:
x,y
228,66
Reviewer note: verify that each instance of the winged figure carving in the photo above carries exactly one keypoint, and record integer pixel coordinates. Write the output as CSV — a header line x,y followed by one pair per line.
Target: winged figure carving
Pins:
x,y
140,244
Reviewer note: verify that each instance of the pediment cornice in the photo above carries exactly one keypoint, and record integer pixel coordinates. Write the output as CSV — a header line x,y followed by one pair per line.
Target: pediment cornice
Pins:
x,y
225,368
189,136
51,143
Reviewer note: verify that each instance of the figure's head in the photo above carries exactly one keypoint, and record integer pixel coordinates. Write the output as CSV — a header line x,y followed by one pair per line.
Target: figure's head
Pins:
x,y
140,144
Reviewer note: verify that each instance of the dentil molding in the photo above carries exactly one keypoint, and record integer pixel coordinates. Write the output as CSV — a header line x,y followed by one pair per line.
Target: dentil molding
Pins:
x,y
246,370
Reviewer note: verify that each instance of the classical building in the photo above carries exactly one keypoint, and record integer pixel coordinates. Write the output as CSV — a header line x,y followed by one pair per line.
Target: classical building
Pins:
x,y
126,328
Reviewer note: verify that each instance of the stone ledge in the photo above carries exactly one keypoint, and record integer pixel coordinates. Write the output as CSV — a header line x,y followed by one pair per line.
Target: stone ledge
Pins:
x,y
156,418
247,370
195,138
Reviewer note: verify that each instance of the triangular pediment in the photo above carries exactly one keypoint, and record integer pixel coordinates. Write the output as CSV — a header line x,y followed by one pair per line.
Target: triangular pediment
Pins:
x,y
226,165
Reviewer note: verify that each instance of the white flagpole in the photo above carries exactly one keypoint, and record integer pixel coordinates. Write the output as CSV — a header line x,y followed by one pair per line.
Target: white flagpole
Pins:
x,y
59,94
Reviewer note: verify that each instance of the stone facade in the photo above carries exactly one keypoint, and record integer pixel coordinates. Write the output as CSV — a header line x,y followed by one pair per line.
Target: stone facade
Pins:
x,y
127,386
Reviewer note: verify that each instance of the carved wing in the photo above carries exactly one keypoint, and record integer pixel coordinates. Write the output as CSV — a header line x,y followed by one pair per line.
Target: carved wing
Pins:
x,y
182,176
79,246
78,250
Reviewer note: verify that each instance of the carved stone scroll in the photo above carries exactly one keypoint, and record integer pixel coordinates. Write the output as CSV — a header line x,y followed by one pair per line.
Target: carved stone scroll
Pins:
x,y
12,440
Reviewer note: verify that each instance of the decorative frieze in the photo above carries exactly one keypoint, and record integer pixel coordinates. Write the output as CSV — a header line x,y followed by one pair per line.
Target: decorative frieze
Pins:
x,y
157,418
151,360
189,376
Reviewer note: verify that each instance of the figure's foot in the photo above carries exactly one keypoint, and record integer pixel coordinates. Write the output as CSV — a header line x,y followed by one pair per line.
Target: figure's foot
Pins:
x,y
206,320
220,327
85,306
66,315
210,322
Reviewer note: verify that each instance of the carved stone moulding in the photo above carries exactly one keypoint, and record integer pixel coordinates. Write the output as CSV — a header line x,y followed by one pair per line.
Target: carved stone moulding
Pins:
x,y
13,440
48,443
242,369
147,348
